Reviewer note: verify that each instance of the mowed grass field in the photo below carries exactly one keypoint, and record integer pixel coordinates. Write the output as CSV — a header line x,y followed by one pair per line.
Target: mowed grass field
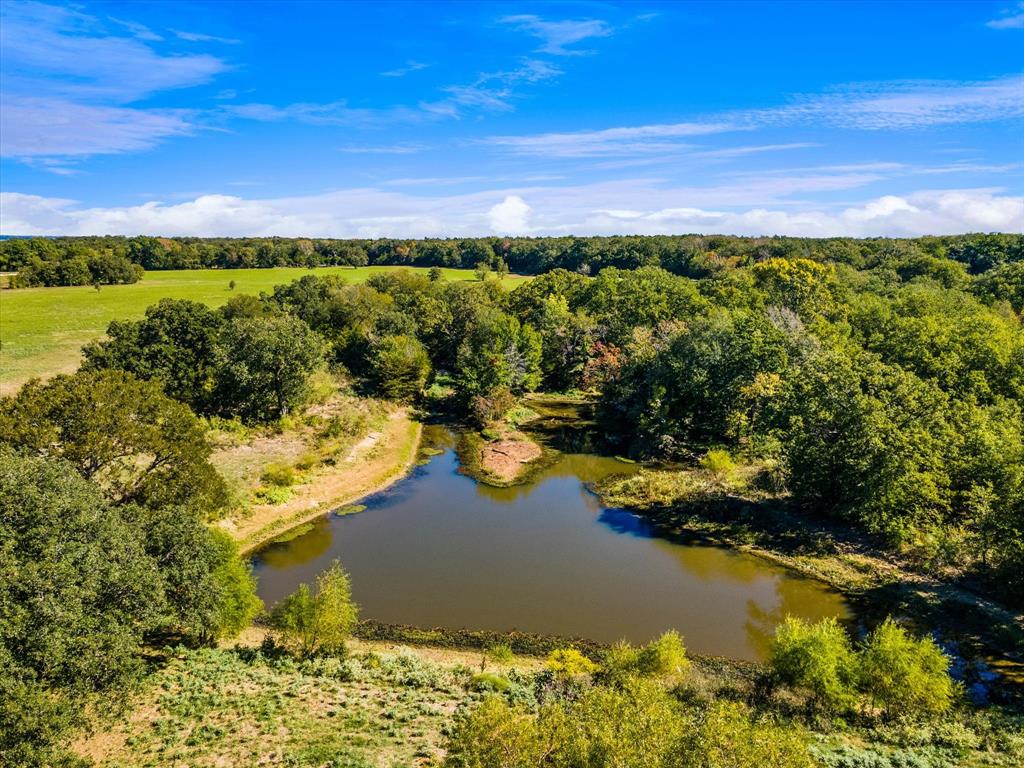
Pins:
x,y
42,330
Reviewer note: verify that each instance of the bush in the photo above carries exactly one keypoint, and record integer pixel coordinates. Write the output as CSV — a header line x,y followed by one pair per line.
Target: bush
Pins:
x,y
483,409
568,662
279,475
664,657
816,658
312,623
905,675
728,736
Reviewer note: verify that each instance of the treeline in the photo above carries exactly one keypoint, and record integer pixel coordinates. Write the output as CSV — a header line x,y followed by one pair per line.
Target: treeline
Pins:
x,y
693,256
73,263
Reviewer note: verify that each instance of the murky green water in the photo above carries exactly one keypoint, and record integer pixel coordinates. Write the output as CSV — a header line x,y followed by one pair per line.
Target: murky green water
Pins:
x,y
440,549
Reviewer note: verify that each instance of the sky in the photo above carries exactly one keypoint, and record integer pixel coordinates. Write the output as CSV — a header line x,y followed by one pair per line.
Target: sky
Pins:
x,y
425,119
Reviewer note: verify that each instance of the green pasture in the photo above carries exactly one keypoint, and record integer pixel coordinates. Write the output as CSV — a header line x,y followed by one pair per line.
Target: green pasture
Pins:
x,y
42,330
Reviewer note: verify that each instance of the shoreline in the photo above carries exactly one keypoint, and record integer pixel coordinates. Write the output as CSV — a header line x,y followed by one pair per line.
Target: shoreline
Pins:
x,y
369,472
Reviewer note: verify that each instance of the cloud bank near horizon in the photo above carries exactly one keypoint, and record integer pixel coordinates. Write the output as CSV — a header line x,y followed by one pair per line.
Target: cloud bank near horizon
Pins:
x,y
595,210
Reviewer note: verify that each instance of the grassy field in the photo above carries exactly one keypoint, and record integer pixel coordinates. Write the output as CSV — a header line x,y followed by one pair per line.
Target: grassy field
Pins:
x,y
43,329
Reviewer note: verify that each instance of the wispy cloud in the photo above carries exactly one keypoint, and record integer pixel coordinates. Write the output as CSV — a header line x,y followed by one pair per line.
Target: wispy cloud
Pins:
x,y
410,66
199,37
902,105
753,150
69,81
387,149
886,106
640,139
52,127
141,31
555,36
1009,18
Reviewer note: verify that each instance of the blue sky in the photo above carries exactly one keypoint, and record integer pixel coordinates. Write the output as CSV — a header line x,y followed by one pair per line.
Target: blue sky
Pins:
x,y
449,119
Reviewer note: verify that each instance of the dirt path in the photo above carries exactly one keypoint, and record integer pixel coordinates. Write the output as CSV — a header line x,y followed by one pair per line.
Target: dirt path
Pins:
x,y
373,464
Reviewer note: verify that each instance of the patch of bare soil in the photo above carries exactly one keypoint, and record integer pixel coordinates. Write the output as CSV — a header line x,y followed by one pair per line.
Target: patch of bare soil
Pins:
x,y
506,459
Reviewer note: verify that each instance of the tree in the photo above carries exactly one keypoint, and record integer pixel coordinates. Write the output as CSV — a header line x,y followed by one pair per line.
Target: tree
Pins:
x,y
313,622
904,674
209,591
816,658
125,435
399,367
802,285
499,352
76,597
264,366
175,344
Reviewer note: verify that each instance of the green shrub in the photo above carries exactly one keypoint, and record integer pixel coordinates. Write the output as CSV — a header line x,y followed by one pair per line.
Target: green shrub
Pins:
x,y
280,475
488,681
818,659
313,622
905,675
664,657
273,495
568,662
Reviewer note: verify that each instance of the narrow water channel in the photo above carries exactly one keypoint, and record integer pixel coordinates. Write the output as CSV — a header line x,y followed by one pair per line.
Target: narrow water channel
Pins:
x,y
439,549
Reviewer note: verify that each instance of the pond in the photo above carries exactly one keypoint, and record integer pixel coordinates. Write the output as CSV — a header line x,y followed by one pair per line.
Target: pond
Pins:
x,y
439,549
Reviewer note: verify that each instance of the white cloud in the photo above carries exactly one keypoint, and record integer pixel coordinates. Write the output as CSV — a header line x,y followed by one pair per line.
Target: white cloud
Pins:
x,y
594,209
68,82
54,127
896,106
410,66
556,35
902,105
199,37
509,217
1009,18
609,141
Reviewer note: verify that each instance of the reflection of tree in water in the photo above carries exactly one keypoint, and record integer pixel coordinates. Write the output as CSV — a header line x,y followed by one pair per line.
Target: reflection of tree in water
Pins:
x,y
796,597
300,550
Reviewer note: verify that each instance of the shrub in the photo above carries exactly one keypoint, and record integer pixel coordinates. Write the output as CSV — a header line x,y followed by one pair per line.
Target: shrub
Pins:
x,y
484,409
817,658
311,623
903,674
499,653
568,662
728,736
718,463
664,657
280,475
488,681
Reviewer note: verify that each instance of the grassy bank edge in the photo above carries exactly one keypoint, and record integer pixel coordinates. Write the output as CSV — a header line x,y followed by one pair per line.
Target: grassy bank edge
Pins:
x,y
403,457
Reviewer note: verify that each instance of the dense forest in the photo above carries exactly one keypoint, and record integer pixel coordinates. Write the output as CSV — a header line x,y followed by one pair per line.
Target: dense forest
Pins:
x,y
879,383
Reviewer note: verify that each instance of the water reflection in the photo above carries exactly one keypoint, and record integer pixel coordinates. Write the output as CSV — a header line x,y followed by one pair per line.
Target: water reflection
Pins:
x,y
438,549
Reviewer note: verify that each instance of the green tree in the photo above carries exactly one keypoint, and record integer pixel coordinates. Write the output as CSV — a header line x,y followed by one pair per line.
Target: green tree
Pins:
x,y
265,365
818,659
124,434
903,674
76,597
176,344
399,367
312,622
499,352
